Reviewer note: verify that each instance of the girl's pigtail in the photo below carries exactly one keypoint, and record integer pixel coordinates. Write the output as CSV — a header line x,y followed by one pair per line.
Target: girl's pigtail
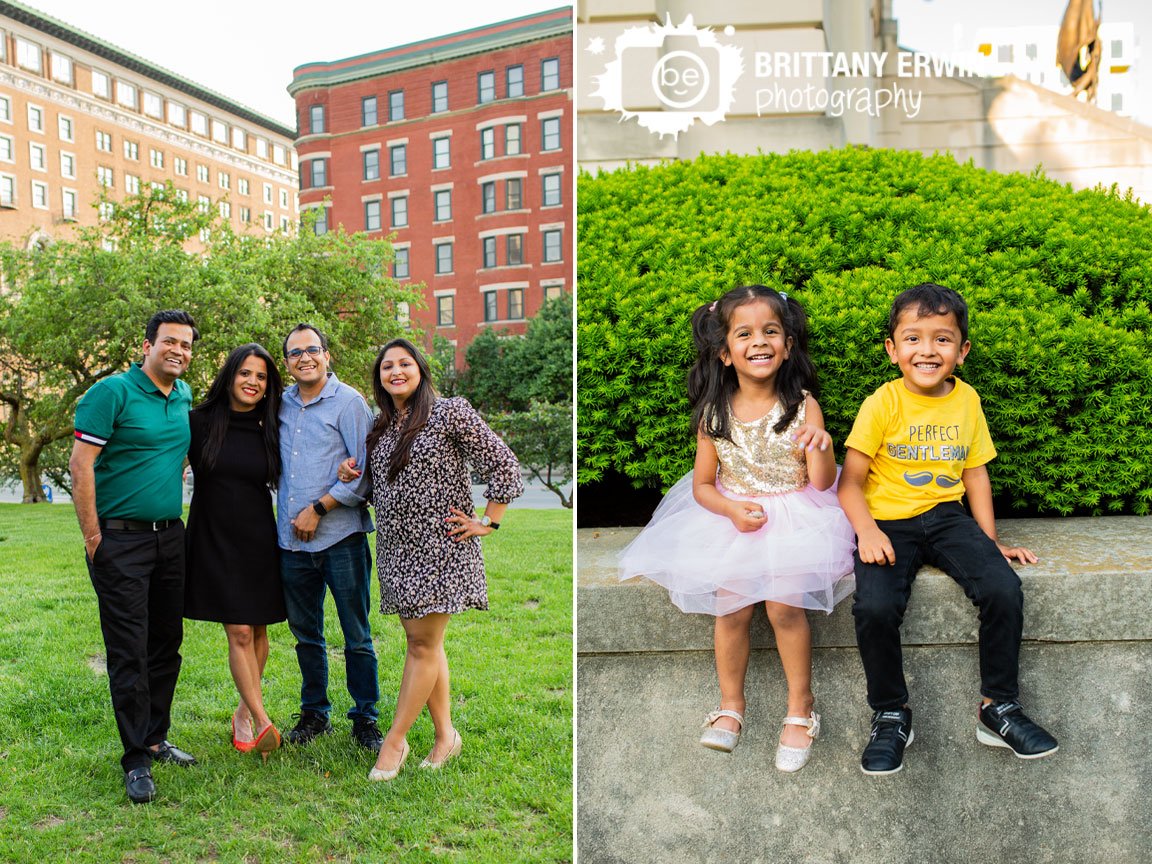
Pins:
x,y
798,372
707,381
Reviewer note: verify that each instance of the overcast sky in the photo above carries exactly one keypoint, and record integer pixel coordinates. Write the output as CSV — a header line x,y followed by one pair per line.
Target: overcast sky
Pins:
x,y
246,50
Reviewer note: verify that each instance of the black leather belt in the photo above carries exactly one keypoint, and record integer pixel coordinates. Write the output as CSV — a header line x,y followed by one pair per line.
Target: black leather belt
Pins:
x,y
134,525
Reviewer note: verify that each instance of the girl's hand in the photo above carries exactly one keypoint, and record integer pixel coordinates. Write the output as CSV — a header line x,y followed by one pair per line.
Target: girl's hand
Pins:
x,y
347,472
465,525
1018,553
747,516
811,437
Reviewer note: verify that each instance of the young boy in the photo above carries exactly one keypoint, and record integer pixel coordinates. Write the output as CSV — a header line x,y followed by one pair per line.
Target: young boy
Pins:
x,y
918,446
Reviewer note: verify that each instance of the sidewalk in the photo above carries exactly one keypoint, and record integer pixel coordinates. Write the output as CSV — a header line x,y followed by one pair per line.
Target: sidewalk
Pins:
x,y
647,792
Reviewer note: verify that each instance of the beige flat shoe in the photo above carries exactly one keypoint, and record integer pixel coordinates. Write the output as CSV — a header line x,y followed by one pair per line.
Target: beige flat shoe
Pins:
x,y
454,750
791,759
723,740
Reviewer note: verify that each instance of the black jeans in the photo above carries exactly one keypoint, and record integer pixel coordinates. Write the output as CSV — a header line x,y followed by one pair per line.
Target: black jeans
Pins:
x,y
948,538
139,582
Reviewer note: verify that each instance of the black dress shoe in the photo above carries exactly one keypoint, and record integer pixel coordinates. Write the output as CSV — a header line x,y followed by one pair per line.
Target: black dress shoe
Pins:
x,y
1004,724
139,784
310,725
166,752
367,733
891,733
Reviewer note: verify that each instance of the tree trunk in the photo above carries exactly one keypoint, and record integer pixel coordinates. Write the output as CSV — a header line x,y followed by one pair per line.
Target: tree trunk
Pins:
x,y
30,473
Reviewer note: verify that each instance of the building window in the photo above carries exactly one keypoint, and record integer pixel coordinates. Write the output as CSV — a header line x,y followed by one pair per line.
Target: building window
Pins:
x,y
319,173
182,195
7,190
486,87
239,139
552,292
372,215
443,200
443,258
5,107
490,306
446,311
219,132
126,94
512,139
35,118
279,154
39,195
550,134
267,193
65,128
177,114
67,164
70,204
242,185
245,215
552,190
180,166
38,157
285,224
368,111
515,249
488,143
513,193
371,164
7,152
398,159
489,252
104,142
400,211
61,68
202,173
28,55
101,85
156,158
396,105
316,121
1117,101
132,184
400,263
488,197
552,246
131,150
224,179
1004,53
270,221
104,177
106,209
153,105
225,210
1030,51
199,123
550,74
515,303
514,81
321,226
439,97
283,199
441,152
262,148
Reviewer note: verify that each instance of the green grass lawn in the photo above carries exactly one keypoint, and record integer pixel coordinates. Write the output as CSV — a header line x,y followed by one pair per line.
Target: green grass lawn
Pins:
x,y
508,798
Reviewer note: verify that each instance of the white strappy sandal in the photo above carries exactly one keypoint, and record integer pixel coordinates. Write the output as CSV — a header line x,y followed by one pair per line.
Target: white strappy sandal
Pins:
x,y
721,739
792,759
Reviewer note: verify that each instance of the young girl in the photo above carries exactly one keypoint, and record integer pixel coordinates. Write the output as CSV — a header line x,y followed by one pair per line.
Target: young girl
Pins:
x,y
757,520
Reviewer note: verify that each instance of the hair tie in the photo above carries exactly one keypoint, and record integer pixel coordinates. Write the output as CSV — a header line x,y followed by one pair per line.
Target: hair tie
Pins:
x,y
783,295
712,308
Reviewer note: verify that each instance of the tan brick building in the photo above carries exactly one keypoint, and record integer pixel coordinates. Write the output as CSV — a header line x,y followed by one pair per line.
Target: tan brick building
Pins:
x,y
77,112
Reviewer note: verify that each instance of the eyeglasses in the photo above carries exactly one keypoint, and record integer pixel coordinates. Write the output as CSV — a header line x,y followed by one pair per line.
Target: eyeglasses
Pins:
x,y
311,351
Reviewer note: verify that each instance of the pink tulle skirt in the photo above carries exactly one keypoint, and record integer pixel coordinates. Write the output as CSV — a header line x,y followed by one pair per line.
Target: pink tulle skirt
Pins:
x,y
802,556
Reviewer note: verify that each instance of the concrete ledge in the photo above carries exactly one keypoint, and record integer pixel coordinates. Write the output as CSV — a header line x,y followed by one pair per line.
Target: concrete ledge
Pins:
x,y
1093,583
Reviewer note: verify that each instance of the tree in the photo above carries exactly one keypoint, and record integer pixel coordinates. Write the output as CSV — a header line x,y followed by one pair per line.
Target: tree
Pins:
x,y
523,385
73,312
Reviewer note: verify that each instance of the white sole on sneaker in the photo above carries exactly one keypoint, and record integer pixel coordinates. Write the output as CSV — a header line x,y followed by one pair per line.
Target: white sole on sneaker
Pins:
x,y
991,739
900,767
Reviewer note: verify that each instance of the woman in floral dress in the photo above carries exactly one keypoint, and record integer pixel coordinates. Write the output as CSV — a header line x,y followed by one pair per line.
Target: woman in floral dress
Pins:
x,y
427,534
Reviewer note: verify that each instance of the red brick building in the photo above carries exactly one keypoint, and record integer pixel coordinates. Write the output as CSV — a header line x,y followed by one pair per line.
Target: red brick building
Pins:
x,y
460,147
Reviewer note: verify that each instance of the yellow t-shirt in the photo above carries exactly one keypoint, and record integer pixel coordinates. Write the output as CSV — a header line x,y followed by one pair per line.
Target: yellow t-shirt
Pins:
x,y
919,445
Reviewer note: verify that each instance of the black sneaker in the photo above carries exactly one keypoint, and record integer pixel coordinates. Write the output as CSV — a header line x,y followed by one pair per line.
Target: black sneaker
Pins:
x,y
1004,724
367,734
309,725
891,733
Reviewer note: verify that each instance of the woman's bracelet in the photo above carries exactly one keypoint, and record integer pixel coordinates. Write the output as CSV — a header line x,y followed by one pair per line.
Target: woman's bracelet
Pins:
x,y
93,537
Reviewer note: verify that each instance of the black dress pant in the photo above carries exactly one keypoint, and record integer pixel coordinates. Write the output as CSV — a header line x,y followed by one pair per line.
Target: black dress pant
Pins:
x,y
139,582
948,538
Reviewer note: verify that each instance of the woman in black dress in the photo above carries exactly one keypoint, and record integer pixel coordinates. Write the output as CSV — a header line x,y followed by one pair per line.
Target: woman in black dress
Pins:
x,y
233,566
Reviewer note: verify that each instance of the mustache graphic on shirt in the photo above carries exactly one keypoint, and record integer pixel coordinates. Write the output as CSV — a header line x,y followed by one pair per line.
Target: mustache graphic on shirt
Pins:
x,y
923,478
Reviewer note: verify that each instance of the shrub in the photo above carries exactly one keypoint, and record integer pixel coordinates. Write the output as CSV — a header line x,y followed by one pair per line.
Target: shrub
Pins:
x,y
1058,284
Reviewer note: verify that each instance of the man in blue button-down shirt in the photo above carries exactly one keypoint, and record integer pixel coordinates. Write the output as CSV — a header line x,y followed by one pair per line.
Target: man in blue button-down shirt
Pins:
x,y
322,525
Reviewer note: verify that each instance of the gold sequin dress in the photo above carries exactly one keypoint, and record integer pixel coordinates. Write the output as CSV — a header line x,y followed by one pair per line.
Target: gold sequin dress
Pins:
x,y
802,556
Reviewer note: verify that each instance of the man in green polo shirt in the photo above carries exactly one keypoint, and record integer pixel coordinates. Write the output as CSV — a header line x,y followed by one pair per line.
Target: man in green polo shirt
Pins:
x,y
131,439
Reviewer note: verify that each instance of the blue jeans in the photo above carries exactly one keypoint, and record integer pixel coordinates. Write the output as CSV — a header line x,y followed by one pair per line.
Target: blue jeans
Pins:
x,y
345,568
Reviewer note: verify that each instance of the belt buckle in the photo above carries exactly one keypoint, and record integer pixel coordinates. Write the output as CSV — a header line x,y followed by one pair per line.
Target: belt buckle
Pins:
x,y
155,526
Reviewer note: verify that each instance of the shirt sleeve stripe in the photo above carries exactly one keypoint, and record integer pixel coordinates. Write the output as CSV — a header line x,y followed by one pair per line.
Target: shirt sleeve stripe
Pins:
x,y
89,438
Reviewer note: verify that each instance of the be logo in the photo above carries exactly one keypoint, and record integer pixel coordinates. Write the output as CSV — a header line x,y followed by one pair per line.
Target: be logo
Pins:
x,y
668,77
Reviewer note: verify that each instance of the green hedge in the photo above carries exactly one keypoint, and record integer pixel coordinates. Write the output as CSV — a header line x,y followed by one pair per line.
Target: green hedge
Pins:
x,y
1058,284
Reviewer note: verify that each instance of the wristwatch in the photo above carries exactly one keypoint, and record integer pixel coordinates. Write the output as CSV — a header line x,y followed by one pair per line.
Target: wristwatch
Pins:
x,y
319,507
487,522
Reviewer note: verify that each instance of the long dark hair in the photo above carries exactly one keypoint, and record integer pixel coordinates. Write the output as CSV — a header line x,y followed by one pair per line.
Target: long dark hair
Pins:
x,y
711,383
419,403
217,407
